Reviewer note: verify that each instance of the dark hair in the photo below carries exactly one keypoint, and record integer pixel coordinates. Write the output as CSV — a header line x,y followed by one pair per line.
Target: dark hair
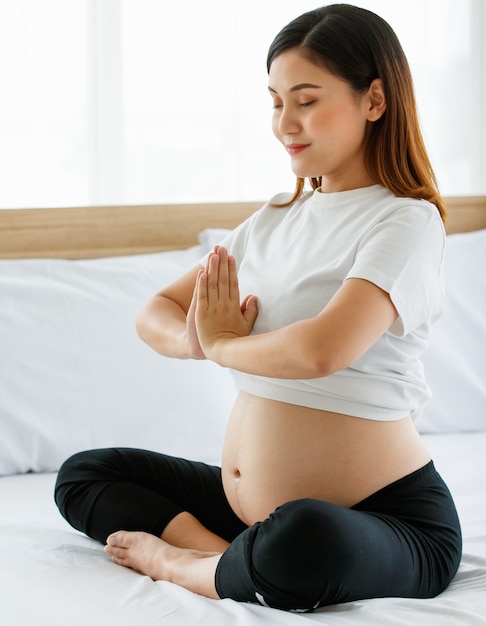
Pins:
x,y
359,46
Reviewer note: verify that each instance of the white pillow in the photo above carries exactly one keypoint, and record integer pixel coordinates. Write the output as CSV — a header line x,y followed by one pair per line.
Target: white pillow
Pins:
x,y
455,363
74,375
210,237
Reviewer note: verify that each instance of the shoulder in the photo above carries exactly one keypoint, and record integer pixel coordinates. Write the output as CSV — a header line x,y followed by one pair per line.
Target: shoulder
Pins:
x,y
418,221
402,228
413,217
408,209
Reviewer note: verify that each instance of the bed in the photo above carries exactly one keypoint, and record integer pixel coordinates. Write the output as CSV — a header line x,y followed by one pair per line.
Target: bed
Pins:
x,y
74,375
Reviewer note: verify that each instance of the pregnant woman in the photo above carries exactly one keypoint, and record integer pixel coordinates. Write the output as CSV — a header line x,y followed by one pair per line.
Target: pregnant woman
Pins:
x,y
323,300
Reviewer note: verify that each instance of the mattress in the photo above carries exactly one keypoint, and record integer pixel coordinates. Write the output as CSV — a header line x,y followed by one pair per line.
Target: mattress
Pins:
x,y
52,575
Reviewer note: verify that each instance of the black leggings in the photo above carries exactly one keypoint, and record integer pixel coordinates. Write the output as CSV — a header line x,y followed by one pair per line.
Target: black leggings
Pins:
x,y
404,540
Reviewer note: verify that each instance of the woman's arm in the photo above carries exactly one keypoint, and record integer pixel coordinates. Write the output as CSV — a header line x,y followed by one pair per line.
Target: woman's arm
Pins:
x,y
355,318
166,322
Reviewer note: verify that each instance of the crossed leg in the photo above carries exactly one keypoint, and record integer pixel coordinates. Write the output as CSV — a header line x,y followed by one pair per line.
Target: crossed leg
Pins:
x,y
114,494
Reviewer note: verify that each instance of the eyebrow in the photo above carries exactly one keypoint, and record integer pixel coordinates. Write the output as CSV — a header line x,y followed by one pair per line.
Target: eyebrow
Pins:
x,y
298,87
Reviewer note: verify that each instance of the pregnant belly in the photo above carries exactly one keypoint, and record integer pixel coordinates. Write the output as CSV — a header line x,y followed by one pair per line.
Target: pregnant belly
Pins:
x,y
276,452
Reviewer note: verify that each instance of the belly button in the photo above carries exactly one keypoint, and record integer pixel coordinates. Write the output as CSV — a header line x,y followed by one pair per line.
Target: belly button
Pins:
x,y
236,473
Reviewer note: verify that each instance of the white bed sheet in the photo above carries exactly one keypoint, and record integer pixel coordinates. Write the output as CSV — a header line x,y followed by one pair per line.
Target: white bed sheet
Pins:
x,y
51,575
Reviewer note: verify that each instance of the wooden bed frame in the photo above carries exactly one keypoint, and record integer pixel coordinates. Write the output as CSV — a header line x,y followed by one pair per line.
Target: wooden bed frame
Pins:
x,y
88,232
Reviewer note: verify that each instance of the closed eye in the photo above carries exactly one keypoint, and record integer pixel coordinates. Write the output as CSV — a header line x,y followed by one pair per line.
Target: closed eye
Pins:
x,y
302,105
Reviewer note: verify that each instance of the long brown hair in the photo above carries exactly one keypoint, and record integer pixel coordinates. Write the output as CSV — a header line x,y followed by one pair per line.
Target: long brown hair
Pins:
x,y
359,46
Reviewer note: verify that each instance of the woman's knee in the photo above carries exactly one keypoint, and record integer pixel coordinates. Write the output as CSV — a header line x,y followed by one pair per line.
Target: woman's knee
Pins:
x,y
302,536
81,472
292,560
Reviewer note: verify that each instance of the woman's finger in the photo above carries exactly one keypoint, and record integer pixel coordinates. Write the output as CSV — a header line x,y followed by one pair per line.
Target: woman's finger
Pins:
x,y
223,275
215,251
201,294
234,289
212,279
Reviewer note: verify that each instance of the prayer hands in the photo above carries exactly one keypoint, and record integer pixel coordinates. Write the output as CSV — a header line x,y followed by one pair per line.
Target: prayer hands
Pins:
x,y
218,312
192,339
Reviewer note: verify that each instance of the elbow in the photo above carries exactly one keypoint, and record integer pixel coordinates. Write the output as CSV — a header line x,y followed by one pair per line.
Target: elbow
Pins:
x,y
325,362
141,325
316,358
323,366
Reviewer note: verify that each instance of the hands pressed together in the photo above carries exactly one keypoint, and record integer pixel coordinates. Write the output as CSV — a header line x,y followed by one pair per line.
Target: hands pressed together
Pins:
x,y
216,313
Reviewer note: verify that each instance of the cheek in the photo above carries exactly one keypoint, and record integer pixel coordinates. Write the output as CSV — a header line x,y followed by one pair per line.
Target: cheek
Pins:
x,y
340,124
331,117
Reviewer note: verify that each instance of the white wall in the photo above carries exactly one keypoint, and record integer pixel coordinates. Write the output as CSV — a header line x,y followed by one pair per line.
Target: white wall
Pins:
x,y
146,101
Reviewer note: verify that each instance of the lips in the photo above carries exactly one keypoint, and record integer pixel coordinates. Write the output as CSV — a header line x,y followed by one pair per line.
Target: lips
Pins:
x,y
296,148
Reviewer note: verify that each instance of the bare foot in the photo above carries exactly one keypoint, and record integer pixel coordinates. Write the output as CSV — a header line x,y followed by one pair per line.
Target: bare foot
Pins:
x,y
154,557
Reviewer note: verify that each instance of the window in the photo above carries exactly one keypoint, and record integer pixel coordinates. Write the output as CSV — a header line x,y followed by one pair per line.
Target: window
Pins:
x,y
141,101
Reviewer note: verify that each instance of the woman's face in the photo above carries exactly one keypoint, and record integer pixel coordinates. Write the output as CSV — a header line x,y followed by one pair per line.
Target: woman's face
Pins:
x,y
320,121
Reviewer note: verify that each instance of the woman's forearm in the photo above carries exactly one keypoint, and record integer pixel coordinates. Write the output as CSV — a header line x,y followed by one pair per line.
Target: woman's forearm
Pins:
x,y
290,352
161,324
166,322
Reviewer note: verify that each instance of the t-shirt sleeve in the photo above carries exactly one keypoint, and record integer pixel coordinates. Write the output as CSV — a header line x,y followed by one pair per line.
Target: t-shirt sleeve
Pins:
x,y
403,255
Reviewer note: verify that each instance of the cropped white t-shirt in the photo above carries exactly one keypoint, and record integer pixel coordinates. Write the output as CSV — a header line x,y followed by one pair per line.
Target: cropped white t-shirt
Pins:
x,y
295,258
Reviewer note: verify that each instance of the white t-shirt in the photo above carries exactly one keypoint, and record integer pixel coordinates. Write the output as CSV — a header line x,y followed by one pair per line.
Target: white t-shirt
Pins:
x,y
295,258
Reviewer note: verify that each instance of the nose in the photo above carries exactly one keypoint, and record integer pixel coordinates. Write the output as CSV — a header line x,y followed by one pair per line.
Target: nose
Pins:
x,y
287,123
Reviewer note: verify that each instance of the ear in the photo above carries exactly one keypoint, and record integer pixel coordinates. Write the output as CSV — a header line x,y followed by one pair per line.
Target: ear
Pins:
x,y
377,101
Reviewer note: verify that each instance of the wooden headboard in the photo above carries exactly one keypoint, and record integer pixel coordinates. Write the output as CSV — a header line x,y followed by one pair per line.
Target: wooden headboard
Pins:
x,y
87,232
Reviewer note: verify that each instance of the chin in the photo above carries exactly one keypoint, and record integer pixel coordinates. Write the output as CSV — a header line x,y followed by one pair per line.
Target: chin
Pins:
x,y
303,173
305,176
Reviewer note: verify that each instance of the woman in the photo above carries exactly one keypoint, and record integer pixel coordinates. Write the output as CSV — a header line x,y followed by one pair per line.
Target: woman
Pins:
x,y
327,493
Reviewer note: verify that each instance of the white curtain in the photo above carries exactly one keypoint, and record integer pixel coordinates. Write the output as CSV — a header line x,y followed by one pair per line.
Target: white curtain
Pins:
x,y
148,101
